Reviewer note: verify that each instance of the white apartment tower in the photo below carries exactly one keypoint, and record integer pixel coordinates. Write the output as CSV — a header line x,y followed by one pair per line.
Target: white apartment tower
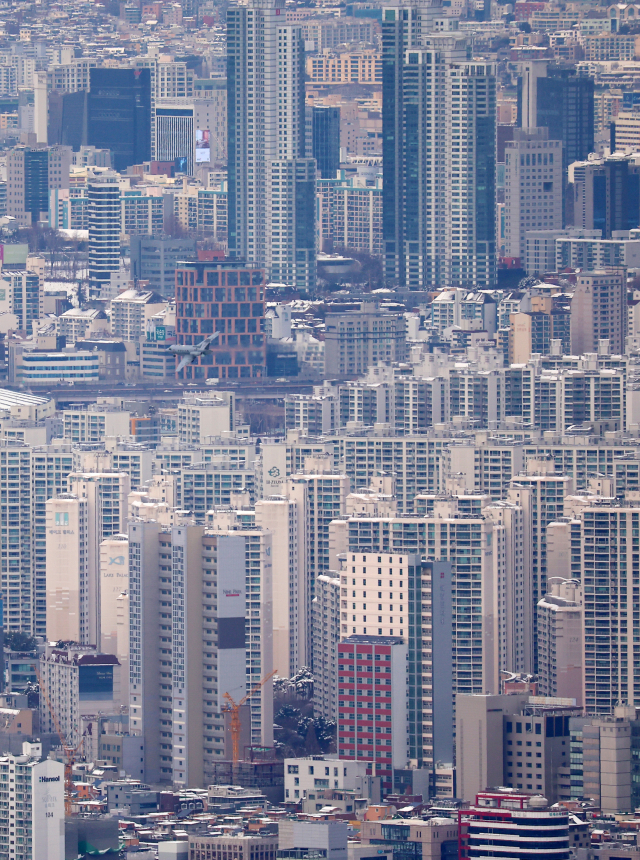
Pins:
x,y
32,812
200,627
439,152
560,640
271,183
105,494
31,475
533,187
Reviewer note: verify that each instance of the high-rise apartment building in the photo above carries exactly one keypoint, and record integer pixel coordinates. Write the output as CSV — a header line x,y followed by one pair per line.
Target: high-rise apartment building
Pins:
x,y
106,515
389,597
67,569
326,636
484,543
279,515
372,703
155,258
32,813
560,640
271,182
357,339
201,627
168,80
533,187
439,148
540,492
225,296
599,311
28,477
320,497
103,193
610,575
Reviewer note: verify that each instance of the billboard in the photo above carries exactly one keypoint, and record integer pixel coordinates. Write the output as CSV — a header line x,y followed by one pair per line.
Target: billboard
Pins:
x,y
231,598
203,145
95,682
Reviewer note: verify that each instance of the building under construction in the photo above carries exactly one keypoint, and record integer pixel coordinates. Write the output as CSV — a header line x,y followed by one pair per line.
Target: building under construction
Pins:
x,y
262,771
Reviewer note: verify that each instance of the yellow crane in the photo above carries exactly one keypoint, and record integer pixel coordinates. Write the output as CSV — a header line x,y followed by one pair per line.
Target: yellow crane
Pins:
x,y
235,713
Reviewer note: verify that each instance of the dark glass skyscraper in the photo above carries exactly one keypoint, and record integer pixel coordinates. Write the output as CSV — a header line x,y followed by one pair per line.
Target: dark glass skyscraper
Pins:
x,y
564,104
36,182
119,114
326,140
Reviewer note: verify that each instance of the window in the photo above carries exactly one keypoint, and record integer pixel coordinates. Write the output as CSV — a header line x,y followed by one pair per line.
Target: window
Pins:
x,y
62,519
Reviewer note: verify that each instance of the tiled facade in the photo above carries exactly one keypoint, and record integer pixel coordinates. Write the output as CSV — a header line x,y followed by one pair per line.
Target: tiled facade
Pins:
x,y
226,296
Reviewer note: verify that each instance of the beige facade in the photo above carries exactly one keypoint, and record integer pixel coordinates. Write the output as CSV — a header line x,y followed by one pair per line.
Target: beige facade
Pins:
x,y
348,67
430,834
599,311
560,639
479,740
114,609
278,516
67,568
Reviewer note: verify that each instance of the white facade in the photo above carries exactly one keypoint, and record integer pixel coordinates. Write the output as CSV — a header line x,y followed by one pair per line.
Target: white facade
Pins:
x,y
106,497
32,814
318,773
59,677
45,368
267,165
326,635
186,653
590,254
201,418
131,311
93,425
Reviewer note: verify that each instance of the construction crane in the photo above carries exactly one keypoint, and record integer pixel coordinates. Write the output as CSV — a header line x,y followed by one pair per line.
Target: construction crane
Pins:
x,y
235,713
69,751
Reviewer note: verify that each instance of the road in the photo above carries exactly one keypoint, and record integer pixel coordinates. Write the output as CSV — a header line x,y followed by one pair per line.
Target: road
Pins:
x,y
263,389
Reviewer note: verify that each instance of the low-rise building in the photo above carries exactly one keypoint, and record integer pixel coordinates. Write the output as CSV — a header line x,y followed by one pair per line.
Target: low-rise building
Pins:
x,y
33,367
316,774
245,847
